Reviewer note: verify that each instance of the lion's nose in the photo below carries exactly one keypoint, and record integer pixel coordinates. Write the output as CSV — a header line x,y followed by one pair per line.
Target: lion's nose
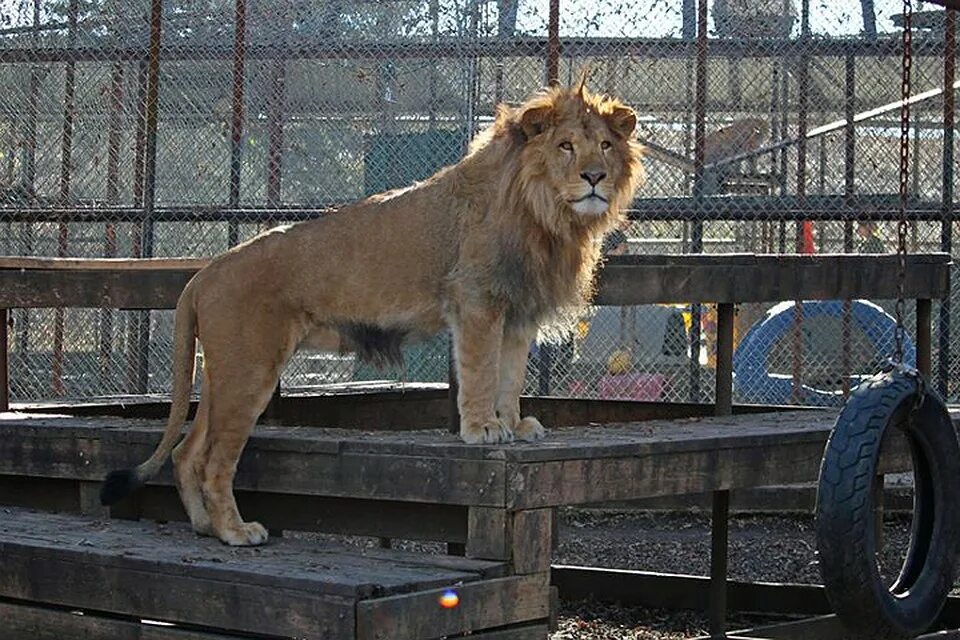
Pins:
x,y
593,177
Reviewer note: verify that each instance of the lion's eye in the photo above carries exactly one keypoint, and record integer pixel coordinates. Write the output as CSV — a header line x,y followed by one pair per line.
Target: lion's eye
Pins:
x,y
605,145
566,146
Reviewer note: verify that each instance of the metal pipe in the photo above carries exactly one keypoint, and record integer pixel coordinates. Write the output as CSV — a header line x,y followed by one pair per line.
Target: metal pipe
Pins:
x,y
803,90
849,190
946,225
553,43
113,198
728,208
138,216
66,157
236,122
275,152
676,48
149,180
696,232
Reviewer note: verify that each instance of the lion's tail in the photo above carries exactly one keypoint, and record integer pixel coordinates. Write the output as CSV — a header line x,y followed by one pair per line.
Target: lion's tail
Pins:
x,y
121,483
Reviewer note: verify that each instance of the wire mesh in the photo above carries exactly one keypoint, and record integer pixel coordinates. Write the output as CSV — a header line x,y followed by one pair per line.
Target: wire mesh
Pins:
x,y
270,112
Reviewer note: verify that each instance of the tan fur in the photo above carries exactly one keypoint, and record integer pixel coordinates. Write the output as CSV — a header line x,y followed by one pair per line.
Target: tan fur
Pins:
x,y
491,247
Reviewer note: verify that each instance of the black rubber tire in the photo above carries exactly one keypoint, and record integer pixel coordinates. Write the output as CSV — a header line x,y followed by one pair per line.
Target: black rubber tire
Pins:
x,y
846,539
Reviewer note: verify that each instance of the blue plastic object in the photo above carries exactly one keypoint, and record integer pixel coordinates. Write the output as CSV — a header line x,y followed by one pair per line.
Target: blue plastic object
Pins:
x,y
755,384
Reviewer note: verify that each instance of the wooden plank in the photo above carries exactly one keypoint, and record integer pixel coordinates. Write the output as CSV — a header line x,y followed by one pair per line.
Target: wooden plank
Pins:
x,y
595,480
116,289
40,263
300,461
642,279
26,282
408,407
31,622
532,542
89,499
344,516
675,591
488,533
524,632
290,587
418,616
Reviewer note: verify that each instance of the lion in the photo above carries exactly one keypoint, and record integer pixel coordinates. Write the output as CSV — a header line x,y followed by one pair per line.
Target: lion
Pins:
x,y
491,248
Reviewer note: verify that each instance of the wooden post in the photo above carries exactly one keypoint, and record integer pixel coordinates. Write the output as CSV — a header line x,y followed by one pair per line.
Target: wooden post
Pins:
x,y
453,388
719,524
724,388
924,313
717,607
4,354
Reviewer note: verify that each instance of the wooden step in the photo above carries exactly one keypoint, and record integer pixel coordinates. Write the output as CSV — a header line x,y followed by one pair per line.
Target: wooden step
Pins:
x,y
289,588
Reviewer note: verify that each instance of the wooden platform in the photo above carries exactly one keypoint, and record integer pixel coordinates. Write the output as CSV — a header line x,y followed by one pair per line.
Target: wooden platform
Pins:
x,y
291,588
492,503
573,465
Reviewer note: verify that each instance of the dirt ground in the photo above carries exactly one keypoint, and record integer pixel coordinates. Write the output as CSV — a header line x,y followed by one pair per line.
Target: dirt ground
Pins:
x,y
761,548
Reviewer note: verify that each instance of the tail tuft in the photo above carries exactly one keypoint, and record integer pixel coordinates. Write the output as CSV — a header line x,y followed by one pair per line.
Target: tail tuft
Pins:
x,y
118,485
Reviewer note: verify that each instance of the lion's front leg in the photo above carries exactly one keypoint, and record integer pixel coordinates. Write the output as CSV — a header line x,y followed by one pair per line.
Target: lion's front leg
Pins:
x,y
513,373
477,337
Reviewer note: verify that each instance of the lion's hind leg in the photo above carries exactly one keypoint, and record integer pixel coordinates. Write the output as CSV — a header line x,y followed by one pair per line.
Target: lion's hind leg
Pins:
x,y
188,465
243,365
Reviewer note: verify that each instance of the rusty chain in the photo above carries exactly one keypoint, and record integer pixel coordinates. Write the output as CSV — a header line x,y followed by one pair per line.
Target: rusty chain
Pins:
x,y
904,174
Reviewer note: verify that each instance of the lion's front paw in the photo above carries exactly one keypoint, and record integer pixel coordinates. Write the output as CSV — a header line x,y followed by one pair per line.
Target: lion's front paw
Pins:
x,y
247,534
492,431
529,429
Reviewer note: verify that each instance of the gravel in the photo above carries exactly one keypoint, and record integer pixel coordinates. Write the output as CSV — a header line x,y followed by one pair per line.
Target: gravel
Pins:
x,y
761,548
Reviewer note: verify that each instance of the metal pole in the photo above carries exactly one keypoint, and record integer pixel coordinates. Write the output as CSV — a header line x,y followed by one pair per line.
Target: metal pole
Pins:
x,y
136,231
149,178
236,124
553,43
802,108
110,231
696,232
849,188
946,227
275,153
66,156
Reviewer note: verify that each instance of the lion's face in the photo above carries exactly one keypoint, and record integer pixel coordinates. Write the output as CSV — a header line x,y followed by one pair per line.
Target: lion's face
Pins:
x,y
580,149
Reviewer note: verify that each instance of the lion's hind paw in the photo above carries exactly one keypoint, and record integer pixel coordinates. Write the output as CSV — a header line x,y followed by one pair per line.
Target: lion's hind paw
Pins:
x,y
529,430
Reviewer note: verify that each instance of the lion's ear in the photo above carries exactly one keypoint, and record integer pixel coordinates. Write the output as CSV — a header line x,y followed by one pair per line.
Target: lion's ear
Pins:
x,y
622,120
534,120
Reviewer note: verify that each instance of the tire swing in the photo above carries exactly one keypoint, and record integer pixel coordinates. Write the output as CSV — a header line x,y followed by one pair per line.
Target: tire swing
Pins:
x,y
847,540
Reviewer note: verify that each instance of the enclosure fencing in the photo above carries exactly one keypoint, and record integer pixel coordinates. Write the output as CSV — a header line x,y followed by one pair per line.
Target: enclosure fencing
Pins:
x,y
139,128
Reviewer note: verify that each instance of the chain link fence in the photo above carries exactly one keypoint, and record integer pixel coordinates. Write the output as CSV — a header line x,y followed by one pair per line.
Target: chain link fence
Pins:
x,y
269,112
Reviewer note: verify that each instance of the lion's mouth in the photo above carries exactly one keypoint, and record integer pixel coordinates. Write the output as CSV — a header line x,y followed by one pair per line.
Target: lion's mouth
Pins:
x,y
590,196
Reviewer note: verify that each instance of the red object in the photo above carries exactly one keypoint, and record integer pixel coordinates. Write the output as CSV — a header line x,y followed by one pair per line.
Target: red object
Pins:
x,y
631,386
807,238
